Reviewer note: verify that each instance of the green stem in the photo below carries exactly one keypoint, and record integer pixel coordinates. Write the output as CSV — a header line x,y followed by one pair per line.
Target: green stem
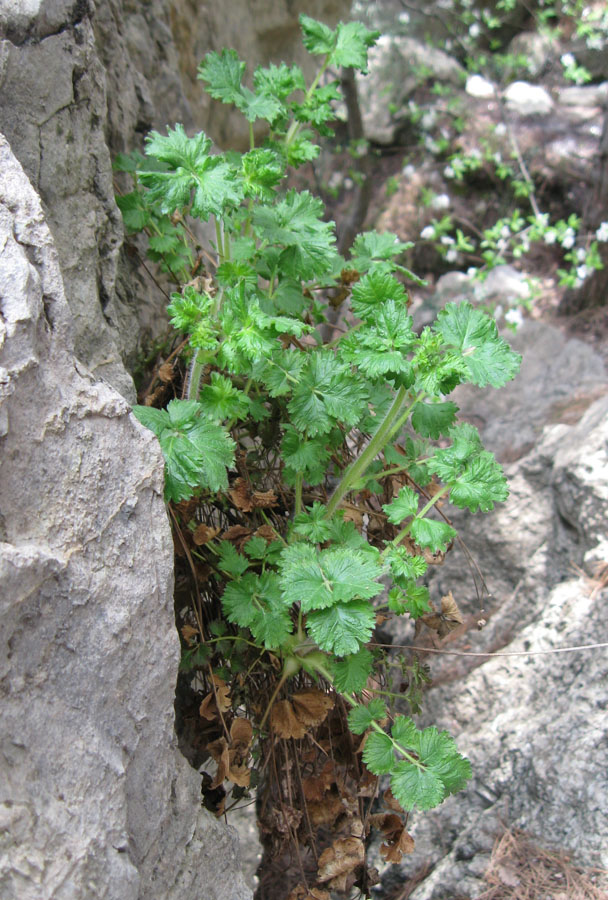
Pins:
x,y
405,531
251,137
393,422
196,372
295,126
299,481
218,239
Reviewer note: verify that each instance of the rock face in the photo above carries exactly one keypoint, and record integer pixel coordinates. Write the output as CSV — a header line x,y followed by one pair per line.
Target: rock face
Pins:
x,y
95,799
81,80
534,726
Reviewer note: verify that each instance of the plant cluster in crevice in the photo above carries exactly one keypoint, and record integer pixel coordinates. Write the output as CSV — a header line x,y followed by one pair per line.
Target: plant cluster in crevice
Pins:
x,y
307,472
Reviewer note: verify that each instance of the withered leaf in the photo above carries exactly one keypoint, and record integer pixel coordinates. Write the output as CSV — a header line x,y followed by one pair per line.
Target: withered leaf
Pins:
x,y
222,693
326,811
316,786
219,751
237,534
344,855
447,620
311,707
301,892
204,534
390,801
166,373
241,732
240,775
267,532
241,495
392,851
284,722
264,499
208,708
189,632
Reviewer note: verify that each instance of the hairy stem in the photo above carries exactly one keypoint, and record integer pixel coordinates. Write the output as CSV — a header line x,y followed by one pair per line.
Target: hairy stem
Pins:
x,y
393,422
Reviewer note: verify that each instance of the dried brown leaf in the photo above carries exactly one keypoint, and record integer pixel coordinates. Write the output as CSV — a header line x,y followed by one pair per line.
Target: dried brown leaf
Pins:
x,y
219,751
284,722
237,534
208,708
222,693
166,373
241,495
311,707
241,732
389,800
326,811
267,532
189,632
447,620
203,534
264,499
344,855
301,892
240,775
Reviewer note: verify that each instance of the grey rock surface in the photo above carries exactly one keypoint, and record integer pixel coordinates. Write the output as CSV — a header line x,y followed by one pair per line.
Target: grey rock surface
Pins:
x,y
393,75
95,800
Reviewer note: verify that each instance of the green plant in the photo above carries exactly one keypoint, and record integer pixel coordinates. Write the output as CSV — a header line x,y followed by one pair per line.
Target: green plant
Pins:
x,y
322,430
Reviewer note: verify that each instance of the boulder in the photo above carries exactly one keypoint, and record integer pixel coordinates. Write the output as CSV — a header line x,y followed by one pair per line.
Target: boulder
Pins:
x,y
95,799
397,65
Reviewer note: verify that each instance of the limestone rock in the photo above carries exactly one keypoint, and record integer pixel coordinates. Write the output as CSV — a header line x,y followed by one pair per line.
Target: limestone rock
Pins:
x,y
95,800
394,72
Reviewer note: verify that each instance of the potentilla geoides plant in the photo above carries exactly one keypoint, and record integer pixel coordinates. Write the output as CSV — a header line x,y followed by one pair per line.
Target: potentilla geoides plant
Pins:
x,y
323,428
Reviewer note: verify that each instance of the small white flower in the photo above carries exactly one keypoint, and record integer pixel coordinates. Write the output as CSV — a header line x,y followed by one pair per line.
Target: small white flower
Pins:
x,y
542,220
595,42
348,183
501,245
408,171
428,233
567,60
471,272
446,240
448,172
475,153
474,30
505,231
498,311
514,317
431,145
569,239
404,17
581,254
550,236
582,272
525,245
500,129
428,119
602,232
441,201
451,255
